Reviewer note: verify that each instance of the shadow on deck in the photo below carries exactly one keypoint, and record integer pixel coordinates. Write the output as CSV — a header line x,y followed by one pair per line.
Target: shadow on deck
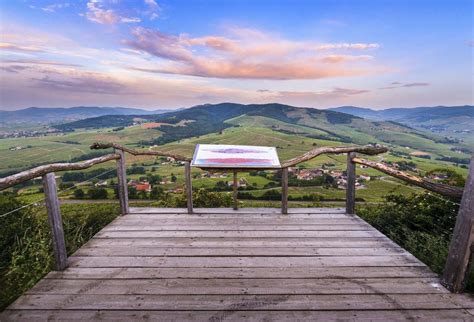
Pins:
x,y
249,264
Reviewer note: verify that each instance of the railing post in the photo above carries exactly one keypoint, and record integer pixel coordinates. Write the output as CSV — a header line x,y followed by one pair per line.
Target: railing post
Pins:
x,y
284,191
55,221
459,255
189,187
234,194
350,184
122,183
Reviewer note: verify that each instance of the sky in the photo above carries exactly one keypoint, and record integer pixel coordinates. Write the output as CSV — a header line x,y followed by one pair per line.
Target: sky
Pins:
x,y
156,54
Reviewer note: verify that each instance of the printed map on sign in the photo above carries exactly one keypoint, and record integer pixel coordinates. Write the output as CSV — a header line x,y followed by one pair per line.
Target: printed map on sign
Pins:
x,y
235,156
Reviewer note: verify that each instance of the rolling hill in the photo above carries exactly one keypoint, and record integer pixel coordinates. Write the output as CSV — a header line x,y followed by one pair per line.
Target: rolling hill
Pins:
x,y
455,121
306,122
39,115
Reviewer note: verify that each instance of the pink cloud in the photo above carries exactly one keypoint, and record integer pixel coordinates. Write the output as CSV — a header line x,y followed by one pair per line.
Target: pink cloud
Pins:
x,y
20,48
251,54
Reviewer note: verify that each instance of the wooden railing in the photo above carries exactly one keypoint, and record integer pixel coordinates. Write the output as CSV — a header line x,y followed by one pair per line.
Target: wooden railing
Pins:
x,y
463,236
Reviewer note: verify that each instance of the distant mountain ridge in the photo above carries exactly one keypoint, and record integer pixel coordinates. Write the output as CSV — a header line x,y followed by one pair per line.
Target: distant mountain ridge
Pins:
x,y
414,114
47,115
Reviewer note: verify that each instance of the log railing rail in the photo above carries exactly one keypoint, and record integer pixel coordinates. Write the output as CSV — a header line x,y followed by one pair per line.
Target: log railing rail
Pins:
x,y
101,146
26,175
460,249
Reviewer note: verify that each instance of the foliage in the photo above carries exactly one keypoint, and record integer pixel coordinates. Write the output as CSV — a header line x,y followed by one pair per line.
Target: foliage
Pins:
x,y
136,170
79,176
452,177
97,193
421,223
26,246
206,199
79,194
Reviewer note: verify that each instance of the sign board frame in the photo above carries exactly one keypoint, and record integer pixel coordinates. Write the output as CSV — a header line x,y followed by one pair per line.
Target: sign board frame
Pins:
x,y
223,156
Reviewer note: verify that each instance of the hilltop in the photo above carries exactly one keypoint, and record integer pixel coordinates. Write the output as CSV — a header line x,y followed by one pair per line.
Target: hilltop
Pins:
x,y
456,121
49,115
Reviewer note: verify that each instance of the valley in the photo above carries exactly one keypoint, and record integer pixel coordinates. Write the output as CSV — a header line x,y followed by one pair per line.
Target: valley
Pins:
x,y
291,130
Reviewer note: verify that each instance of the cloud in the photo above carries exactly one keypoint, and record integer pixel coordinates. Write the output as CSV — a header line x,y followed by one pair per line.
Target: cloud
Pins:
x,y
54,7
345,58
395,85
416,84
249,54
336,92
327,97
358,46
37,62
85,83
20,48
96,13
14,68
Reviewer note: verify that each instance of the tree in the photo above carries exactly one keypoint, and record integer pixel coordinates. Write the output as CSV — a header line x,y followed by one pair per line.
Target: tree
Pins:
x,y
79,193
156,192
132,193
97,193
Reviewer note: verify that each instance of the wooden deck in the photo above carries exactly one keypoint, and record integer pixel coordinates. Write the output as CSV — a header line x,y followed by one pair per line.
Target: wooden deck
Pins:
x,y
250,264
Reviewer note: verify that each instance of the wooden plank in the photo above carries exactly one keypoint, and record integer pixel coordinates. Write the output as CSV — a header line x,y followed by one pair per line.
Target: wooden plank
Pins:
x,y
239,302
237,316
240,234
122,183
55,221
460,249
243,216
189,186
154,210
350,186
284,191
234,251
240,242
230,222
239,286
288,261
156,227
352,272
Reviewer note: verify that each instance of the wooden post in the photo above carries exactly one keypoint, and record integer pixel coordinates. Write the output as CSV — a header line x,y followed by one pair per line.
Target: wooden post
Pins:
x,y
122,183
55,221
350,184
284,191
189,187
236,205
459,255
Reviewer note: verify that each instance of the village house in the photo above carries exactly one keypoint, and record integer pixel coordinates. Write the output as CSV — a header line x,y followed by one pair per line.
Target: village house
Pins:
x,y
102,183
140,185
309,174
243,182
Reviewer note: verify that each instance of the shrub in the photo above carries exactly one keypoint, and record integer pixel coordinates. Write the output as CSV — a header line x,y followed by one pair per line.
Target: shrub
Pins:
x,y
421,223
206,199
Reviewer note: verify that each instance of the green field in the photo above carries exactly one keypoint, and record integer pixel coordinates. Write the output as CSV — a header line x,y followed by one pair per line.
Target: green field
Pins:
x,y
291,140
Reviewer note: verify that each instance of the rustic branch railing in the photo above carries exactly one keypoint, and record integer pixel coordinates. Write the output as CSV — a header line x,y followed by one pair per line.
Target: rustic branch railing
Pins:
x,y
460,248
366,149
440,188
101,146
26,175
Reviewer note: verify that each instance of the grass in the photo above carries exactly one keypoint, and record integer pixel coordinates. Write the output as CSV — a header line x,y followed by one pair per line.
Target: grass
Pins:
x,y
27,253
